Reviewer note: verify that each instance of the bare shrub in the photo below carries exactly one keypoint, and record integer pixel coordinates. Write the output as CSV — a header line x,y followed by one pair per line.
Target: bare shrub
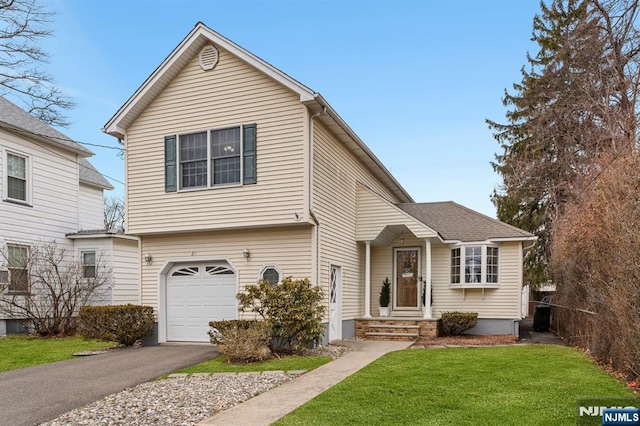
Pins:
x,y
242,341
47,286
595,256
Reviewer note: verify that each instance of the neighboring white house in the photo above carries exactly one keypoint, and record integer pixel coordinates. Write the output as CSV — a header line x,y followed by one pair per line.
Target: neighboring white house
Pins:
x,y
236,171
49,191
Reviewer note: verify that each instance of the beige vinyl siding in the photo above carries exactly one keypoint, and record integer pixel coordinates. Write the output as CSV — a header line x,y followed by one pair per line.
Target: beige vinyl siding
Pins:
x,y
54,183
502,302
375,214
90,207
126,271
232,94
335,177
286,247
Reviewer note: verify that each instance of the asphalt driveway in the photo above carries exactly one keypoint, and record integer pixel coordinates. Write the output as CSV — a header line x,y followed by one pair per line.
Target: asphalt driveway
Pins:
x,y
36,394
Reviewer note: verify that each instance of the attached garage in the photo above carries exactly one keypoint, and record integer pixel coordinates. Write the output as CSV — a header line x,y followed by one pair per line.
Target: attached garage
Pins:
x,y
197,293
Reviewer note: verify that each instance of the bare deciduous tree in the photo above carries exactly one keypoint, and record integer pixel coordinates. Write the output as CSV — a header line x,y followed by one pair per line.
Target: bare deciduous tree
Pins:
x,y
114,213
47,286
23,25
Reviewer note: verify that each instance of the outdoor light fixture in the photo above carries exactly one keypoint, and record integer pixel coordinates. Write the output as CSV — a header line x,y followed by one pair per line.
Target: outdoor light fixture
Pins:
x,y
147,258
246,254
401,237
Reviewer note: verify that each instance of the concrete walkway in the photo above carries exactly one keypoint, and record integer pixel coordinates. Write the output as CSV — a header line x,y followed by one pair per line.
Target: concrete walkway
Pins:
x,y
268,407
529,335
36,394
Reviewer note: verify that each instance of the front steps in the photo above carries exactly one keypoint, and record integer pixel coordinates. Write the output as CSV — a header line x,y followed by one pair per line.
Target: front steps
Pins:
x,y
396,329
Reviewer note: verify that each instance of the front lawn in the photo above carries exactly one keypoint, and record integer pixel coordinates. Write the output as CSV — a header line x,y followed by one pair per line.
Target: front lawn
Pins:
x,y
25,351
513,385
289,363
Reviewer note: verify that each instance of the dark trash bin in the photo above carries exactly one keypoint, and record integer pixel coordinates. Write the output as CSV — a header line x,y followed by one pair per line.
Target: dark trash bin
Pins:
x,y
542,318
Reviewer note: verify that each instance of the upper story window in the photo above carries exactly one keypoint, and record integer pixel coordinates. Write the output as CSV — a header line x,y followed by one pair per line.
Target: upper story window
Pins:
x,y
88,264
17,177
211,158
18,260
474,266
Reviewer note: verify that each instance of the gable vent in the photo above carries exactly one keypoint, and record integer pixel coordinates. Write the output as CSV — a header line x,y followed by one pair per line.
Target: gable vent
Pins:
x,y
208,57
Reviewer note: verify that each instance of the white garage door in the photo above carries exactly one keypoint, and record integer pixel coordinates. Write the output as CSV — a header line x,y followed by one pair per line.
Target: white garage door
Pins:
x,y
196,294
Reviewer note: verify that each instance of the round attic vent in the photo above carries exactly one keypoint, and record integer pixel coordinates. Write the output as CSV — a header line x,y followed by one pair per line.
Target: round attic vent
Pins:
x,y
208,57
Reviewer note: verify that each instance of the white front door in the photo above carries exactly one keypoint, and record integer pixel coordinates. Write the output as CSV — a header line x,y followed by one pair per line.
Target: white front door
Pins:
x,y
335,301
406,278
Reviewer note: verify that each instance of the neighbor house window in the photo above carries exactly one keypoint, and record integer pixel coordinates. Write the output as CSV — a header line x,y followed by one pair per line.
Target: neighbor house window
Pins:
x,y
474,265
271,274
212,158
17,257
17,177
88,264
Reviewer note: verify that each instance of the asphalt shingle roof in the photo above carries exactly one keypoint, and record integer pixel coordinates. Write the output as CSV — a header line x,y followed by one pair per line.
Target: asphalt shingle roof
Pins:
x,y
18,119
458,223
89,175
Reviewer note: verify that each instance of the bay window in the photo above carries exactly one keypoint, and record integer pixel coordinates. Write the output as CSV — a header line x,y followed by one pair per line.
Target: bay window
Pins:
x,y
474,266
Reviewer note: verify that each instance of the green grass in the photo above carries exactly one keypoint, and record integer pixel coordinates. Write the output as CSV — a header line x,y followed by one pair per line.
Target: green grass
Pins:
x,y
25,351
220,365
515,385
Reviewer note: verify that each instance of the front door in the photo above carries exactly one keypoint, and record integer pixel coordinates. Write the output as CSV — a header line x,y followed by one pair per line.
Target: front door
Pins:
x,y
407,269
335,297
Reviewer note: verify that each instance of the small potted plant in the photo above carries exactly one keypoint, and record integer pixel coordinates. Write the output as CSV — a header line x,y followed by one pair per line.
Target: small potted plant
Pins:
x,y
385,297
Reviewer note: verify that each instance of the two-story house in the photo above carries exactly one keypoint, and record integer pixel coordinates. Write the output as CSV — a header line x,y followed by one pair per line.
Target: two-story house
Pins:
x,y
236,172
50,192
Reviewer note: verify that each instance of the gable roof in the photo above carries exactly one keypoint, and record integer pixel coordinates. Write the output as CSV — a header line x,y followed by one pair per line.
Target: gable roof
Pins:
x,y
454,222
15,119
89,175
197,38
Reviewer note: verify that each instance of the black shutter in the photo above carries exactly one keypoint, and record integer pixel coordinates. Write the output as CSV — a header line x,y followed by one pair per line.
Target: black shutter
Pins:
x,y
170,176
249,154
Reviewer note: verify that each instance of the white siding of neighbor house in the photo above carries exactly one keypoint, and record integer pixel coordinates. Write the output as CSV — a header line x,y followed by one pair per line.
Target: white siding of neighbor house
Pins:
x,y
231,94
90,207
502,302
126,272
286,247
335,179
54,183
103,248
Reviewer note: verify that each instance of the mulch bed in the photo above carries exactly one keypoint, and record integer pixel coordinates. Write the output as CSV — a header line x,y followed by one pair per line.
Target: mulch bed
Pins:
x,y
467,340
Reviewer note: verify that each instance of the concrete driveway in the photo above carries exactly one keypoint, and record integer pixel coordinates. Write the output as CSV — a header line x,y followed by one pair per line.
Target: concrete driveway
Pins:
x,y
36,394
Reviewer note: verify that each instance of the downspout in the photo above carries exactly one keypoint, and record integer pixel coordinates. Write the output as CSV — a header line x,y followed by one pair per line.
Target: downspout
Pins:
x,y
312,213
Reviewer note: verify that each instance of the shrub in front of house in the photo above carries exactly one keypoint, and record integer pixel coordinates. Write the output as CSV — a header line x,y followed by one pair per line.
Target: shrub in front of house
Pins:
x,y
242,341
455,323
125,324
292,307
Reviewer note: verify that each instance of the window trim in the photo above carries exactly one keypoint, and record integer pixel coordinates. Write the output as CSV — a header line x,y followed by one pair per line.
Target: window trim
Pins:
x,y
483,268
26,269
271,266
95,263
28,177
210,160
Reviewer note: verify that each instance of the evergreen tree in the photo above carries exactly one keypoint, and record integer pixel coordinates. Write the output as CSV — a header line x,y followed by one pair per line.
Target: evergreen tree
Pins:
x,y
561,117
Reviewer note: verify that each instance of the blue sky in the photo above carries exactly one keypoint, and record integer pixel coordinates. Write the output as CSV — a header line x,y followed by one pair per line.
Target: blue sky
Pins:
x,y
414,79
